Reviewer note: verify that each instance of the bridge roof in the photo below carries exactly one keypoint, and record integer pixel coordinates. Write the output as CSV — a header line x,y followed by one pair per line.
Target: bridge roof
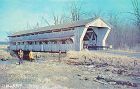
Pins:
x,y
59,26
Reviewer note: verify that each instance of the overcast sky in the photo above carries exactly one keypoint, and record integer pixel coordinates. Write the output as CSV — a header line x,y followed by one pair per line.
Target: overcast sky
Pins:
x,y
15,14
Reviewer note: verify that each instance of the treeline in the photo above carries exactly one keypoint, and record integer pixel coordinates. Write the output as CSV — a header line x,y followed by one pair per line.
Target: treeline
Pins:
x,y
125,32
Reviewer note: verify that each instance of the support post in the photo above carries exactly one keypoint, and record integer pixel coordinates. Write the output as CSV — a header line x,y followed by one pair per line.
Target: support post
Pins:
x,y
26,55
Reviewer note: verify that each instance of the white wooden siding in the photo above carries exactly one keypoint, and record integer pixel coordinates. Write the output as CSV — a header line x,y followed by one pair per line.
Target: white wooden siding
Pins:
x,y
44,36
44,47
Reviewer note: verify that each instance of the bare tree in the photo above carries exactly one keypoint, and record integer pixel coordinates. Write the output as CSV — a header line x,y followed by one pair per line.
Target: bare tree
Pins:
x,y
28,26
123,35
115,34
136,11
46,21
75,12
58,19
136,14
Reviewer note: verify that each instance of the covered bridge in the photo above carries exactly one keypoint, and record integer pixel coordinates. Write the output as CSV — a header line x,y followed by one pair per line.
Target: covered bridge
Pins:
x,y
90,34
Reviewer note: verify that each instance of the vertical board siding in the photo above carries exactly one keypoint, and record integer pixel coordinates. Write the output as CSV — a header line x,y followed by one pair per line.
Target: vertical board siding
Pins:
x,y
43,47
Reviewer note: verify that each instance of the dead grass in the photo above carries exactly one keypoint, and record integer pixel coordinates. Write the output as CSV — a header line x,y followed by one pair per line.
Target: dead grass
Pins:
x,y
4,53
53,74
102,57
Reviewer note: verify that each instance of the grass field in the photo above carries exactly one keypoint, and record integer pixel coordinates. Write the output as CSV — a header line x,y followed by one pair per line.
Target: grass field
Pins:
x,y
75,70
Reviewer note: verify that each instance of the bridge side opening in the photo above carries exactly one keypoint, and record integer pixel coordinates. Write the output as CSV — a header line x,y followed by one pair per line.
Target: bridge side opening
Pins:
x,y
90,39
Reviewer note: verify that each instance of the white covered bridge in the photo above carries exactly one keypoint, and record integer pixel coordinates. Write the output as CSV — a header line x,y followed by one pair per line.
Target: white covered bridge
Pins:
x,y
90,34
